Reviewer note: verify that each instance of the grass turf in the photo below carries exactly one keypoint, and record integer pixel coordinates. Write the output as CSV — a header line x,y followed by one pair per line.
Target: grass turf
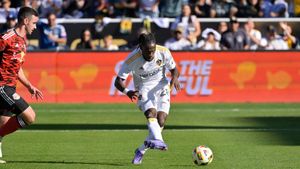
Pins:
x,y
241,136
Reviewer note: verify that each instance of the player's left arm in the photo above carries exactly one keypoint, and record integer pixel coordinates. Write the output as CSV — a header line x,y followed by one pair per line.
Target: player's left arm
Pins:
x,y
32,89
171,65
174,79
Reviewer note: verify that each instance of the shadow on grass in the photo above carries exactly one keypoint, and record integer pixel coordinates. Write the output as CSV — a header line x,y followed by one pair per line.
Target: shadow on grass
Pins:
x,y
68,162
286,129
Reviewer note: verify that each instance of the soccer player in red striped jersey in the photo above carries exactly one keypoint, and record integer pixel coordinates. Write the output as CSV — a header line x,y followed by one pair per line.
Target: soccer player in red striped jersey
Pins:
x,y
14,110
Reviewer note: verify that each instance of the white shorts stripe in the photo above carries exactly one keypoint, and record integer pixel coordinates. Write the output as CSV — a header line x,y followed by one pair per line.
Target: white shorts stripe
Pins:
x,y
21,121
5,96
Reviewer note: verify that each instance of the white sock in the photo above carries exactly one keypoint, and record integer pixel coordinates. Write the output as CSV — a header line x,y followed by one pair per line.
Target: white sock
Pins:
x,y
143,148
0,149
154,129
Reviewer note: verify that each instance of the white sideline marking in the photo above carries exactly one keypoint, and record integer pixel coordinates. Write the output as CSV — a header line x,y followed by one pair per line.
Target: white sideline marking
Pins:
x,y
172,110
167,130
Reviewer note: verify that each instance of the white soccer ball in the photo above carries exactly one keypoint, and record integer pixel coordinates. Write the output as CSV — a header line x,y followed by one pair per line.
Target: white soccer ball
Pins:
x,y
202,155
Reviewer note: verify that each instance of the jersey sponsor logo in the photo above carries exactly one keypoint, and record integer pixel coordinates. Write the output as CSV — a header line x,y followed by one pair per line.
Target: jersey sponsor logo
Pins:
x,y
18,56
16,96
152,73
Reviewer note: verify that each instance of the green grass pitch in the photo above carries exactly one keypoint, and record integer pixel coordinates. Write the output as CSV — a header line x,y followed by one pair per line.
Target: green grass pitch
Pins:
x,y
242,136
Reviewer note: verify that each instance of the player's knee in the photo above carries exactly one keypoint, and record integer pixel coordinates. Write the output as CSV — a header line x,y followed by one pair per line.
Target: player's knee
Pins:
x,y
28,116
151,113
30,119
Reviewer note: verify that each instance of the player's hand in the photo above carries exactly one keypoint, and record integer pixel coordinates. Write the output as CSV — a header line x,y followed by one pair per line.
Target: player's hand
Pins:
x,y
35,93
175,84
133,95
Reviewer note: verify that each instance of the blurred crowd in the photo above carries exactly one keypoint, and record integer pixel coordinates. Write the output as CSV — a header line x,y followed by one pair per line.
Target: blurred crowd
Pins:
x,y
187,32
156,8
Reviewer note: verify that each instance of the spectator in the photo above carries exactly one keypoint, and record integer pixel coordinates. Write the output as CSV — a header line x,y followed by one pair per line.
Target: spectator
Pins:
x,y
36,4
97,6
52,35
265,8
148,8
254,35
287,35
98,26
178,41
123,8
297,8
86,40
11,22
170,8
51,6
247,8
76,9
190,24
7,10
211,40
275,41
277,9
235,38
17,3
108,43
222,27
221,8
202,8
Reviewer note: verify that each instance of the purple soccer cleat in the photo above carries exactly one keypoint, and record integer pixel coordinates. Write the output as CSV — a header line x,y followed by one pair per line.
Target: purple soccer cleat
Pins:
x,y
156,144
138,157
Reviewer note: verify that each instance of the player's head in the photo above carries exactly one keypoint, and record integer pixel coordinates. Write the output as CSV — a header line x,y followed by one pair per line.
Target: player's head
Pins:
x,y
147,44
28,17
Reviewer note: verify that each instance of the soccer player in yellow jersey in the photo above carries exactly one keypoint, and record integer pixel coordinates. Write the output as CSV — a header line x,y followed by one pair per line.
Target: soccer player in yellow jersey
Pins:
x,y
148,64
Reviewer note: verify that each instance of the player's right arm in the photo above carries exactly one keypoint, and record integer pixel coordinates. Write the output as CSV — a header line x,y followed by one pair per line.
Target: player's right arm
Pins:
x,y
119,84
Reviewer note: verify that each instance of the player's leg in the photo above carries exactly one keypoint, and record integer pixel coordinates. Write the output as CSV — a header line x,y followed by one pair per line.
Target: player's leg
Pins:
x,y
3,120
140,151
153,126
154,129
162,117
27,117
24,114
145,103
162,99
154,139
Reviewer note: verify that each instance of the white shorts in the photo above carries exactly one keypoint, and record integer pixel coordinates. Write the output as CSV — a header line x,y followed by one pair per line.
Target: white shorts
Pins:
x,y
157,97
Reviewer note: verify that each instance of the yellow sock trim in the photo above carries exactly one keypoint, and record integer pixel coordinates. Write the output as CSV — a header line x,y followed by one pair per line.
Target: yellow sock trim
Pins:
x,y
152,120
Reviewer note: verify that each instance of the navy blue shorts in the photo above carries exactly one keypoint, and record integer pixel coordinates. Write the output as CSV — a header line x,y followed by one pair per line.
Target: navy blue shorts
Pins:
x,y
11,102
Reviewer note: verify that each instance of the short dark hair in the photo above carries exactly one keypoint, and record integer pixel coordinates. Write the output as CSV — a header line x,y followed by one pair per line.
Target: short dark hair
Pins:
x,y
26,12
146,38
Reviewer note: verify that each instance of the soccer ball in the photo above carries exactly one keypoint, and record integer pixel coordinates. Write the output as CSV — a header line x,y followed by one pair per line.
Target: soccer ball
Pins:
x,y
202,155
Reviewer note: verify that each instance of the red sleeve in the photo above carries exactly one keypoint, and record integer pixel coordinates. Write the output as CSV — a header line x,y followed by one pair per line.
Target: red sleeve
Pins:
x,y
2,44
